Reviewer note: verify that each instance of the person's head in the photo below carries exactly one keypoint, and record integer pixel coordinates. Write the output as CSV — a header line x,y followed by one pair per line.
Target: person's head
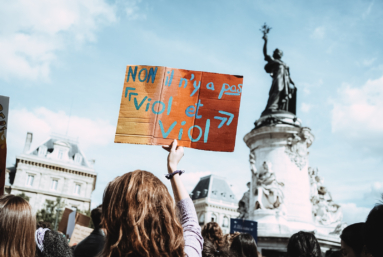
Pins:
x,y
43,224
373,232
212,250
213,232
139,217
17,227
303,244
244,245
277,54
352,240
95,214
51,244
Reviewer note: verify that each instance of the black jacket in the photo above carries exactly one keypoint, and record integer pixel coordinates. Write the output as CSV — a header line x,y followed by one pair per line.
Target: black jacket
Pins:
x,y
91,246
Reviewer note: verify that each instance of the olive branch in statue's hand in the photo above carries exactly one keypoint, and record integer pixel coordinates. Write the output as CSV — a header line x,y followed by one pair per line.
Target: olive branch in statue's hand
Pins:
x,y
265,30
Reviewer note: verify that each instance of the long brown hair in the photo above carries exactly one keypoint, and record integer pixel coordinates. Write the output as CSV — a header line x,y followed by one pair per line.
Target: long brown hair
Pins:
x,y
17,227
213,232
139,216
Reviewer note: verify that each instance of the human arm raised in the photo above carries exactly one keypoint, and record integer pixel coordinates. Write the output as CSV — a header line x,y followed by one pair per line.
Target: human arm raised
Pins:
x,y
175,155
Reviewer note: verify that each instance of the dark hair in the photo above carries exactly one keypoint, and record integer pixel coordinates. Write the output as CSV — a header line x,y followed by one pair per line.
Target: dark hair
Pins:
x,y
213,232
139,217
96,216
353,237
303,244
373,232
244,245
17,227
212,250
55,245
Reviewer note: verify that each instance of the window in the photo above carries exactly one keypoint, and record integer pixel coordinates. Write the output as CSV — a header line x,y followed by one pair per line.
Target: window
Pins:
x,y
201,219
54,184
77,189
60,155
225,222
214,218
30,180
74,208
77,158
42,151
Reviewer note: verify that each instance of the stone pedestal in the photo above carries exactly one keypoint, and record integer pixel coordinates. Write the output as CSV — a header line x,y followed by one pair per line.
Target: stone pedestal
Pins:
x,y
279,151
285,147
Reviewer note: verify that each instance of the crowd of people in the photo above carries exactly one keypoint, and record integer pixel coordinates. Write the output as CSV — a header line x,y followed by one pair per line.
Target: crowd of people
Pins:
x,y
139,218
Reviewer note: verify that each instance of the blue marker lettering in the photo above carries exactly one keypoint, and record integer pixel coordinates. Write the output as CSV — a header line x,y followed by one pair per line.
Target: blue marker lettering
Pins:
x,y
190,111
163,107
152,74
133,74
165,134
139,74
138,106
199,136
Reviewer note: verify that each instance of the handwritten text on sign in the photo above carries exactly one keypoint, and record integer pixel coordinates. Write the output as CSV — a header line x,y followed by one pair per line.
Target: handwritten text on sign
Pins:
x,y
159,104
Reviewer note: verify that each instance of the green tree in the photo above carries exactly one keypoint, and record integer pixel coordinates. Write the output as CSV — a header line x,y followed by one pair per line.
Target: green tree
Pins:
x,y
48,214
24,196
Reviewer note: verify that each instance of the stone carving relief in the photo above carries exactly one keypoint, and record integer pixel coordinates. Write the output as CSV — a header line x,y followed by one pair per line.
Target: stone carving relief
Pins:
x,y
269,191
297,147
325,211
243,205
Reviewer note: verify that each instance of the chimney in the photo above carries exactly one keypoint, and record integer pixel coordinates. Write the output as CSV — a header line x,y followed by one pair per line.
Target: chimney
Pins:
x,y
28,142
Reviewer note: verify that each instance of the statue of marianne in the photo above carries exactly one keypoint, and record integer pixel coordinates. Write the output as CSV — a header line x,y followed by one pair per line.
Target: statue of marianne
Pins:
x,y
282,95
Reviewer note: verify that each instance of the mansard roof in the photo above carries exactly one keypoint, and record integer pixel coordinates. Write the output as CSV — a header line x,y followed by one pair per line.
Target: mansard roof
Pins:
x,y
70,148
214,187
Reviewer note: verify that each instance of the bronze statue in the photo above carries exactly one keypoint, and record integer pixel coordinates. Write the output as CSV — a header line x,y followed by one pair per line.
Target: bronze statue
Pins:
x,y
282,95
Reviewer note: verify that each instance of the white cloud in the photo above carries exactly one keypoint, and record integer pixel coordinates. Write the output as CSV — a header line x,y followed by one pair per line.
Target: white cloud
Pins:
x,y
42,122
376,192
305,107
368,62
33,32
353,214
358,113
318,33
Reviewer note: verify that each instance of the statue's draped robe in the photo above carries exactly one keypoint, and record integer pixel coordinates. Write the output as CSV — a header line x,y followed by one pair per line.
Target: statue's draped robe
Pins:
x,y
280,87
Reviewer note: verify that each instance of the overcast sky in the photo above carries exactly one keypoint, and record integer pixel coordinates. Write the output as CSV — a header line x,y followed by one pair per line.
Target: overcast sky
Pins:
x,y
62,63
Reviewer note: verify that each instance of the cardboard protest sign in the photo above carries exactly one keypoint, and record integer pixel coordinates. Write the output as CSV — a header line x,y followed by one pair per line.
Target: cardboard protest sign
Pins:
x,y
4,107
199,109
80,219
79,234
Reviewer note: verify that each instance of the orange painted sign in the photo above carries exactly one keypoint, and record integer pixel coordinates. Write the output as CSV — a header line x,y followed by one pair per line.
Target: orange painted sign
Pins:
x,y
199,109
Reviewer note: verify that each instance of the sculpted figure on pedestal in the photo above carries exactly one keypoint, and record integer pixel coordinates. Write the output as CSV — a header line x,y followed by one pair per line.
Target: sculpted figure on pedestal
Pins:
x,y
243,205
297,147
325,211
269,190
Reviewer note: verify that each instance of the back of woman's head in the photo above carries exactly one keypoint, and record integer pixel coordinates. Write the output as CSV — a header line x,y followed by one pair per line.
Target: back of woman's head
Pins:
x,y
353,237
139,216
17,227
52,244
213,232
303,244
244,245
212,250
373,231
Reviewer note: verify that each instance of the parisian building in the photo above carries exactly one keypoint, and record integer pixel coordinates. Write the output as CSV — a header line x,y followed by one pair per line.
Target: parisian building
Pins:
x,y
57,167
214,201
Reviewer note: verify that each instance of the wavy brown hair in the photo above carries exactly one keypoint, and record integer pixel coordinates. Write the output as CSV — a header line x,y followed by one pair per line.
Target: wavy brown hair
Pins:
x,y
139,216
17,227
213,232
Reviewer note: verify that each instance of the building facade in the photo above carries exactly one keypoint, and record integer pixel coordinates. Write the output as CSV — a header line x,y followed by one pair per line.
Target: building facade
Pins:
x,y
214,201
55,168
